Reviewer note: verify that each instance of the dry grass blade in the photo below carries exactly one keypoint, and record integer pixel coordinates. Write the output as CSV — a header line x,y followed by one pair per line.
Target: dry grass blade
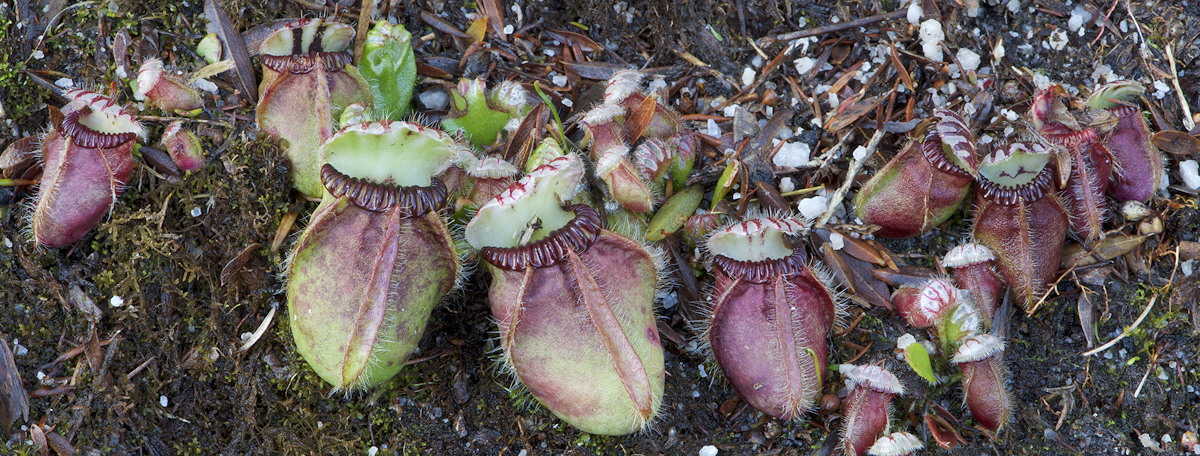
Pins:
x,y
495,14
14,403
441,25
845,78
232,40
903,72
587,44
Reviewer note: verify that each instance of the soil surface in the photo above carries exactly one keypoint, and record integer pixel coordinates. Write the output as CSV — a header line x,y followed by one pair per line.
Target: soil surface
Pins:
x,y
131,340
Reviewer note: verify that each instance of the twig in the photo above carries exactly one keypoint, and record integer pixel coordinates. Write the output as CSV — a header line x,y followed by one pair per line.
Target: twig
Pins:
x,y
1187,111
834,27
262,328
855,166
364,23
1104,25
1126,331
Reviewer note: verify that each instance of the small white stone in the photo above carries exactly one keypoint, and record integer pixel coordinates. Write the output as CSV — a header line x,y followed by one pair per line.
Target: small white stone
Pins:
x,y
434,99
712,129
914,12
508,29
669,300
196,211
709,450
703,372
116,301
372,451
729,111
904,341
205,85
560,80
1041,81
1009,114
860,153
1058,40
792,154
7,242
931,39
837,241
1161,89
65,83
568,103
1188,267
968,59
786,185
804,65
38,54
162,400
1189,172
1079,15
747,76
811,208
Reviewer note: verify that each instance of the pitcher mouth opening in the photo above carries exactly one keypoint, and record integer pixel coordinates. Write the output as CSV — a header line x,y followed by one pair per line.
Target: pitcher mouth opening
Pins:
x,y
83,135
578,235
304,63
761,271
413,201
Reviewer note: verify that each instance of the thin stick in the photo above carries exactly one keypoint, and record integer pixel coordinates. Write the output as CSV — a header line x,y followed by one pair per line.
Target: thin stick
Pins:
x,y
855,166
1125,332
834,27
1187,111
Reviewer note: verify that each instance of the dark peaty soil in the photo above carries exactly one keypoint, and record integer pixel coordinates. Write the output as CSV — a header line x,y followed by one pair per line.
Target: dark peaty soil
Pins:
x,y
190,261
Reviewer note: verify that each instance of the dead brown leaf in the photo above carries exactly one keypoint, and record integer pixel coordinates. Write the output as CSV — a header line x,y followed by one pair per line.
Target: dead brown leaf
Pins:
x,y
245,81
234,265
527,135
850,111
1076,255
59,444
14,402
1177,142
640,117
91,349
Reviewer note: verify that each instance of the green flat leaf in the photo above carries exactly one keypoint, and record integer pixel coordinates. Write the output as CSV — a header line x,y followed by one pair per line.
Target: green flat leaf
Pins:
x,y
918,360
726,181
674,213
